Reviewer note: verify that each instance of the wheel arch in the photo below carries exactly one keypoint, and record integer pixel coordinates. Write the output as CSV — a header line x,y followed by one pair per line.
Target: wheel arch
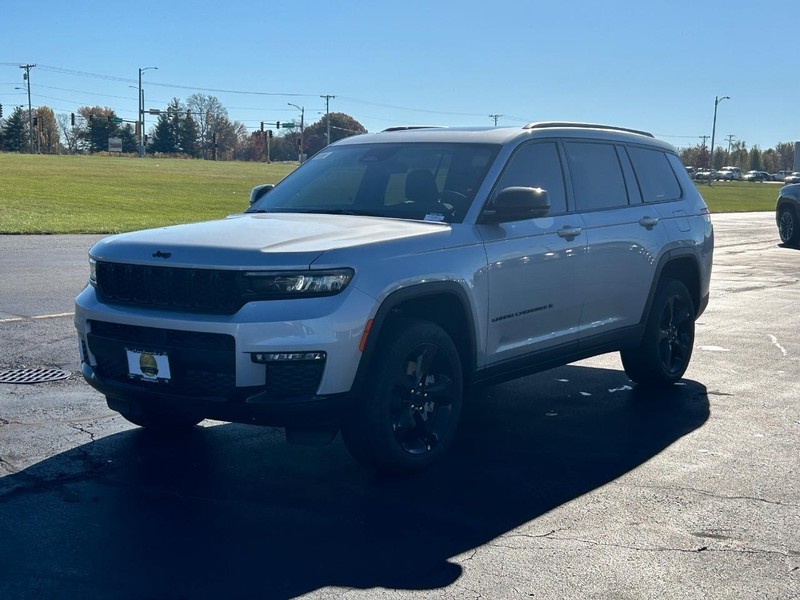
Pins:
x,y
683,265
443,303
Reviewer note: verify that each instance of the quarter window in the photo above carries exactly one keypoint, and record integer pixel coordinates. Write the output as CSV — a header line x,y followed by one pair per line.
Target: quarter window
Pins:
x,y
596,173
655,175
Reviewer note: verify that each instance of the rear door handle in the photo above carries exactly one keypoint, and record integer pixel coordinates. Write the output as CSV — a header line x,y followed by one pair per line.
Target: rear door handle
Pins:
x,y
569,233
648,222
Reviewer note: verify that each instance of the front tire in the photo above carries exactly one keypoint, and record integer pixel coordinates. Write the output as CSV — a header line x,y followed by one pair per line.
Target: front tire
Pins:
x,y
409,413
787,226
663,355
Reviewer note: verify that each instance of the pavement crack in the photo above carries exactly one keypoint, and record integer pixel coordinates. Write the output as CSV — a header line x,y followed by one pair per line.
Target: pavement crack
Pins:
x,y
712,494
82,429
7,466
633,548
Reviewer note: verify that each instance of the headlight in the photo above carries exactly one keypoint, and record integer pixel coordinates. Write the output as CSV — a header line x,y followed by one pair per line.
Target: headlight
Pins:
x,y
269,285
92,271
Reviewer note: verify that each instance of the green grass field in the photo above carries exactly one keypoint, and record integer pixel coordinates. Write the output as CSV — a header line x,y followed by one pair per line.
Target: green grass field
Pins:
x,y
107,194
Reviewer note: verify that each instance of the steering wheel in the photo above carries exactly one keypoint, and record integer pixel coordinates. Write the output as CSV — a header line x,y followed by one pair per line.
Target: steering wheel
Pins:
x,y
453,202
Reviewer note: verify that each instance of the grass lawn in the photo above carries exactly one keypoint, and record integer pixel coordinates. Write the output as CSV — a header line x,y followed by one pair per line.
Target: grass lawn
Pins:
x,y
739,196
108,194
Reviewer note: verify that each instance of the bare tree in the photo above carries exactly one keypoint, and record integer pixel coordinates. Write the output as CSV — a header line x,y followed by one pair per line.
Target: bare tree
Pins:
x,y
68,133
208,113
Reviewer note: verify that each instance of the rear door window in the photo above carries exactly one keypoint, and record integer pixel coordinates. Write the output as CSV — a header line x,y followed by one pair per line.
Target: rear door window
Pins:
x,y
596,173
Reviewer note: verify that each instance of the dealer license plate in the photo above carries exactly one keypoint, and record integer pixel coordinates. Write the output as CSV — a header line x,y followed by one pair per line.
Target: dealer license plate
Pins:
x,y
148,365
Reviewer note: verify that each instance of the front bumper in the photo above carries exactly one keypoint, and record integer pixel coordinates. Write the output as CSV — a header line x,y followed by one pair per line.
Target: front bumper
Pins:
x,y
212,371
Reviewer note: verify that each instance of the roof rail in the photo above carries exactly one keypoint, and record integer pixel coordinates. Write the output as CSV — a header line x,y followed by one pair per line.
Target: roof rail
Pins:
x,y
549,124
407,127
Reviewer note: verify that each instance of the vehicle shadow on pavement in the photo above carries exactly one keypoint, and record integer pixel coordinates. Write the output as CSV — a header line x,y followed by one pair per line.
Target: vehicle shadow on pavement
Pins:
x,y
232,512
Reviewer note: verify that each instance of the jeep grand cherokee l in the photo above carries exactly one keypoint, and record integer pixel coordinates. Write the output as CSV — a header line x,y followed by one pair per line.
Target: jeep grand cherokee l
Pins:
x,y
373,285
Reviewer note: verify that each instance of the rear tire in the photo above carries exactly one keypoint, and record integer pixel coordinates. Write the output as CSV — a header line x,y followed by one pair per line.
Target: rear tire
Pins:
x,y
409,413
788,227
663,355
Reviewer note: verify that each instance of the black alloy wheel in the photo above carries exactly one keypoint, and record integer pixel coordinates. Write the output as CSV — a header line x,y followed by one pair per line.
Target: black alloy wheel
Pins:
x,y
663,355
787,226
409,415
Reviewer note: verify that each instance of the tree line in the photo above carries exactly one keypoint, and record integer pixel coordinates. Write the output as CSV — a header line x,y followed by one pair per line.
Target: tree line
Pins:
x,y
779,158
197,128
200,128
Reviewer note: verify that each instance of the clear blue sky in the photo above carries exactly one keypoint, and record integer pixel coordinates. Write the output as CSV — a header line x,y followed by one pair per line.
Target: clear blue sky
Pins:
x,y
646,64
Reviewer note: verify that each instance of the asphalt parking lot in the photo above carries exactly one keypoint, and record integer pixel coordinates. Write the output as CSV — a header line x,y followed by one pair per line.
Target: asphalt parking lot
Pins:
x,y
571,483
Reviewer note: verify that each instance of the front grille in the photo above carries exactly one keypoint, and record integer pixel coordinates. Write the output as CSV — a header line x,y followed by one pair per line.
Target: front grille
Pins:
x,y
201,290
201,364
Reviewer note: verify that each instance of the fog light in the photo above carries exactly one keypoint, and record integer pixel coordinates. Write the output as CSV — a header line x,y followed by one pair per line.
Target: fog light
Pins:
x,y
269,357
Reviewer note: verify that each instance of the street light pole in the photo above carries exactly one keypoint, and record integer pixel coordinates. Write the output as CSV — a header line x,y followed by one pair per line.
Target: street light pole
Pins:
x,y
717,100
302,110
141,111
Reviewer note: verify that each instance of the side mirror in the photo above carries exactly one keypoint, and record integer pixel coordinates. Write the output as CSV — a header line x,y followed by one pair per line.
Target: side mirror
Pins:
x,y
260,190
517,204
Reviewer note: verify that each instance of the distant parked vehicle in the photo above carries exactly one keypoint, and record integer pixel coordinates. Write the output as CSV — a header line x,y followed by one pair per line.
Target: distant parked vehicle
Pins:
x,y
793,177
704,175
759,176
728,174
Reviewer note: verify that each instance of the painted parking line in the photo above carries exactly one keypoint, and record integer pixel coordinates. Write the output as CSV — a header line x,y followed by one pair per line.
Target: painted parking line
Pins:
x,y
55,316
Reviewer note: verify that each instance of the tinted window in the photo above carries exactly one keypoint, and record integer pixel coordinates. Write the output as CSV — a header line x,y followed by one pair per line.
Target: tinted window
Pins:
x,y
656,178
596,174
539,166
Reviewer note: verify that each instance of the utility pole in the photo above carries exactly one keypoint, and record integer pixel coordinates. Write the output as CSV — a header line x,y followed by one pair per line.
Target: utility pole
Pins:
x,y
327,118
704,138
495,117
141,110
730,138
27,77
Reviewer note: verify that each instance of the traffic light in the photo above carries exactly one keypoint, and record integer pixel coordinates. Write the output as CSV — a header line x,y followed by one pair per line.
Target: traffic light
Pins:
x,y
72,119
35,121
1,111
262,126
278,125
269,133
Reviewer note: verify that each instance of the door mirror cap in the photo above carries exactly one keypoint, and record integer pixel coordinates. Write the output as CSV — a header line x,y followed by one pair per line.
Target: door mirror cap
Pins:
x,y
260,190
517,204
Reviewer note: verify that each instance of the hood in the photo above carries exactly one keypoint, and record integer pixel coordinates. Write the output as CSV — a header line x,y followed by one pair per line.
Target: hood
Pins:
x,y
263,240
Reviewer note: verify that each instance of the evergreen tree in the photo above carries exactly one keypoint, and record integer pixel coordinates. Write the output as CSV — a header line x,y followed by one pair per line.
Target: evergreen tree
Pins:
x,y
99,127
163,137
128,136
15,138
188,136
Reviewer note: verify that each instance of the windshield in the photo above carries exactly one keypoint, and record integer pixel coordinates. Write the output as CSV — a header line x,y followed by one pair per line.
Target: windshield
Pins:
x,y
424,181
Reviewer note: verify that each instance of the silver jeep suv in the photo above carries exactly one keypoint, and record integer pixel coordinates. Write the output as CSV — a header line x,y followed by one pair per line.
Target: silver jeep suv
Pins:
x,y
391,272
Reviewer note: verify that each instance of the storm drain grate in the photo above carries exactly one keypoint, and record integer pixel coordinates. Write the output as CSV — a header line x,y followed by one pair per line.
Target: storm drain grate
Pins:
x,y
32,375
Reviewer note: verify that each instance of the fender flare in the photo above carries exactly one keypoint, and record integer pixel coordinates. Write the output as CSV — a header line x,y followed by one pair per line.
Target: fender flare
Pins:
x,y
414,292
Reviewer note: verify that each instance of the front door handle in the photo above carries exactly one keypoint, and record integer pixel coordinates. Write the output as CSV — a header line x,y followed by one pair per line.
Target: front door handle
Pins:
x,y
569,233
648,222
